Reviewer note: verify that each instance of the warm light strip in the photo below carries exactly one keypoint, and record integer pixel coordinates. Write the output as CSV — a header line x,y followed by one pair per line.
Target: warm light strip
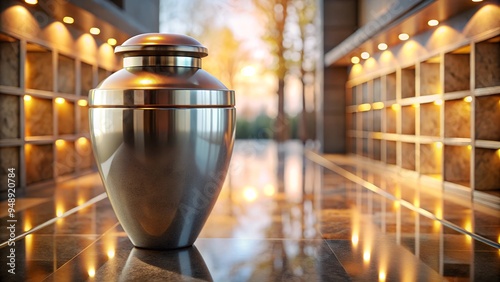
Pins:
x,y
433,22
82,103
364,107
382,46
59,142
68,20
378,105
403,36
395,107
112,41
95,31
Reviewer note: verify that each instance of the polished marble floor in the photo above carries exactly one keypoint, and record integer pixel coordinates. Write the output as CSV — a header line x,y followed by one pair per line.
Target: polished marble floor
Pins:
x,y
284,214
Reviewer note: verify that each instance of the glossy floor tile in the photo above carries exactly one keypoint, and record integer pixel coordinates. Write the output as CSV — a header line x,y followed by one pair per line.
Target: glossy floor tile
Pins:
x,y
284,214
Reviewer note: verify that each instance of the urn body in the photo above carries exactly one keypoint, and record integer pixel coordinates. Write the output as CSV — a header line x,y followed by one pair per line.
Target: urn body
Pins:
x,y
162,131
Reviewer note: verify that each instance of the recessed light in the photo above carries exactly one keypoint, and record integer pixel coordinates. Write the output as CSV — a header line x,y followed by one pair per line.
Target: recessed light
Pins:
x,y
60,100
95,31
468,99
27,98
403,36
82,103
365,55
477,0
31,2
433,22
355,60
68,20
112,41
382,46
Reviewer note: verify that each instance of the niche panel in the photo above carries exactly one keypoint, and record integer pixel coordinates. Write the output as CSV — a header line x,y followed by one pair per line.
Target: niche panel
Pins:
x,y
38,68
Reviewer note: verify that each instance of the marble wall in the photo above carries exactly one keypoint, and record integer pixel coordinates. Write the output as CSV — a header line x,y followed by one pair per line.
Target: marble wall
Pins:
x,y
66,75
38,70
456,72
84,152
430,159
408,155
408,83
39,162
87,79
430,121
390,87
84,119
9,61
408,120
9,116
457,118
377,121
66,158
487,174
487,120
65,118
390,122
487,67
429,79
9,158
457,164
39,117
390,152
377,90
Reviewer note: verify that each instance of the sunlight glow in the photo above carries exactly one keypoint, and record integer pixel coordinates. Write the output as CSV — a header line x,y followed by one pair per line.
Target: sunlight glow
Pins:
x,y
250,194
248,71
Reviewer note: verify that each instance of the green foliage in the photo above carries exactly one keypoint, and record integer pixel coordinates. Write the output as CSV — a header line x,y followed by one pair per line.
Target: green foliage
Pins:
x,y
262,127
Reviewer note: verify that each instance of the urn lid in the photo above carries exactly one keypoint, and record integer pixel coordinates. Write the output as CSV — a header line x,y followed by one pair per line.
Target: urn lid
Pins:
x,y
161,70
150,44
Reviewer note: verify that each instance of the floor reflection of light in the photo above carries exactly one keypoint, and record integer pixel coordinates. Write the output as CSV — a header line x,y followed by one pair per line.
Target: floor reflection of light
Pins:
x,y
91,272
355,240
382,276
59,210
366,256
29,246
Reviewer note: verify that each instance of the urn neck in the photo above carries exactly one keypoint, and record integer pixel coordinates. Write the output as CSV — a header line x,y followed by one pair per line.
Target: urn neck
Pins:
x,y
161,61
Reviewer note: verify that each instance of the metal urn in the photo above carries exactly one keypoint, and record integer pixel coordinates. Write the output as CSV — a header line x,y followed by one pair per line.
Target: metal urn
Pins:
x,y
162,131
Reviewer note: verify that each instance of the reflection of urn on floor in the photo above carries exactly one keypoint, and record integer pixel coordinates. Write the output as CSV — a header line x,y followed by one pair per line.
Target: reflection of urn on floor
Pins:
x,y
162,131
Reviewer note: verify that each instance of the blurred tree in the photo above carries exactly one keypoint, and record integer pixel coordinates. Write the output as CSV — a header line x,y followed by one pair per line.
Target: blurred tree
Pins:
x,y
306,15
227,56
274,15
